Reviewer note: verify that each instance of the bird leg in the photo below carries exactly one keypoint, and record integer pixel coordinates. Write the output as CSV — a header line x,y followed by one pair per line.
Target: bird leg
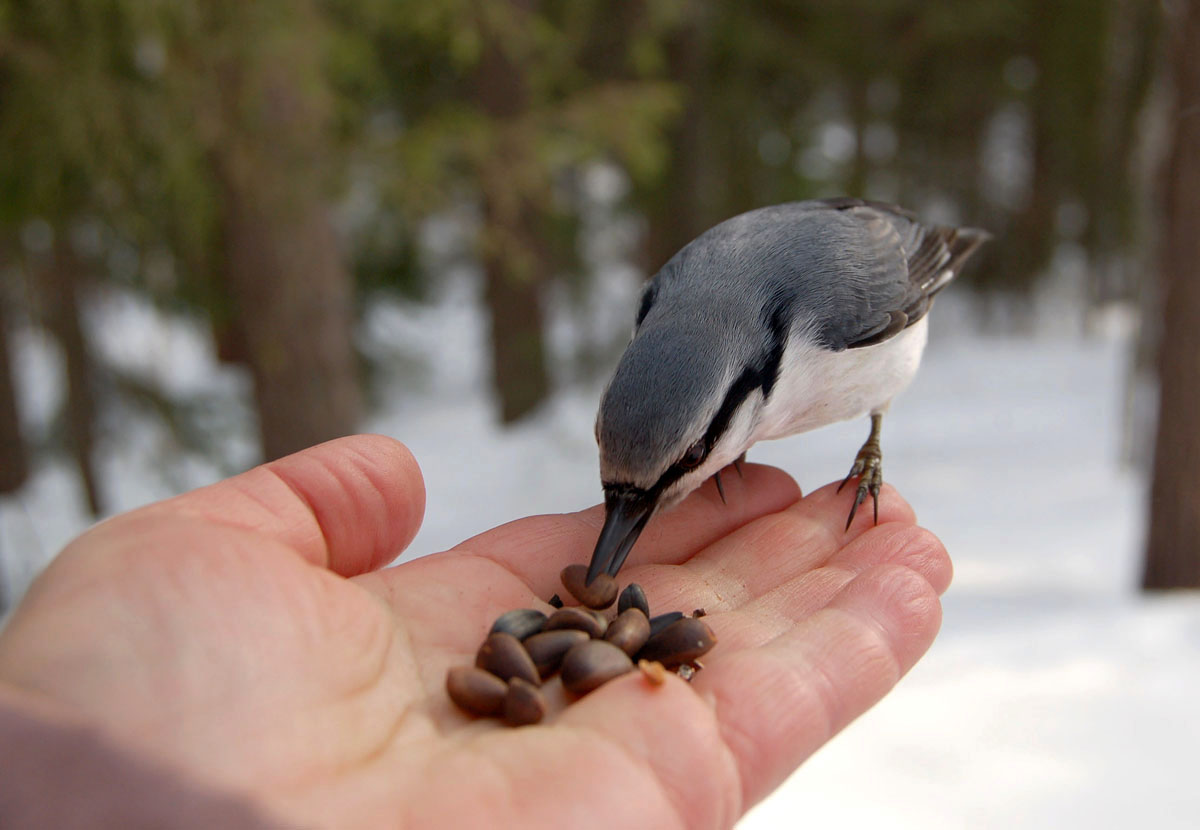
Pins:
x,y
868,466
737,464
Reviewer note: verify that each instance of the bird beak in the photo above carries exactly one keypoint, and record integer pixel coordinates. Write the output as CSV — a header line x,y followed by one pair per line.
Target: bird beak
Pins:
x,y
625,514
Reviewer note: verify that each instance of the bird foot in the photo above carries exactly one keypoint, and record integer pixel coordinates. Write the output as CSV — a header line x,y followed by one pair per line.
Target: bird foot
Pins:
x,y
868,467
737,465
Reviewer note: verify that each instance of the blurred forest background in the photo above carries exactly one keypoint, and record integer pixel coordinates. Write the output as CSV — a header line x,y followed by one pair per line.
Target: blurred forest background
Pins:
x,y
272,169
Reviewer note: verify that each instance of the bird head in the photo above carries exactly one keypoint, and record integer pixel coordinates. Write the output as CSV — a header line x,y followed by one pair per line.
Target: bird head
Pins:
x,y
683,403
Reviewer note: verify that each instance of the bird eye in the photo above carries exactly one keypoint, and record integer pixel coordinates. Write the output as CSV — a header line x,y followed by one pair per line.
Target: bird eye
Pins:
x,y
694,456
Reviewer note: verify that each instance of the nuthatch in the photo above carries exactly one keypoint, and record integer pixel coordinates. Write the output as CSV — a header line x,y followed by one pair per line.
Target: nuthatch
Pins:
x,y
775,322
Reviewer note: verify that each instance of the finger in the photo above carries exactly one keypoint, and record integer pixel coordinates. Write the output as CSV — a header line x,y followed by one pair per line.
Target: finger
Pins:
x,y
777,611
752,716
768,552
350,505
779,703
537,548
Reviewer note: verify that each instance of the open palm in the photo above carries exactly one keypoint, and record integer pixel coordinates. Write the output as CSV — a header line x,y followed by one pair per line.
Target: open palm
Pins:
x,y
245,633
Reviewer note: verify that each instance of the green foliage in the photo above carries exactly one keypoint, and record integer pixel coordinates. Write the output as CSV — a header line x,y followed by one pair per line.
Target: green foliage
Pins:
x,y
433,54
111,110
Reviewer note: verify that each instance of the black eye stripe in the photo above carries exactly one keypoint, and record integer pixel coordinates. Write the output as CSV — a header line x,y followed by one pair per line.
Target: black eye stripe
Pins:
x,y
647,300
749,380
741,389
752,377
777,323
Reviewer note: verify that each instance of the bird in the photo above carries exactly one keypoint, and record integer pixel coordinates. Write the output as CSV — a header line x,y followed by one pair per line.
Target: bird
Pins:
x,y
775,322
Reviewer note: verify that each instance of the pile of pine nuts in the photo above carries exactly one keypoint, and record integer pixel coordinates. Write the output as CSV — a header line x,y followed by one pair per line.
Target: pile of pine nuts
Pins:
x,y
525,648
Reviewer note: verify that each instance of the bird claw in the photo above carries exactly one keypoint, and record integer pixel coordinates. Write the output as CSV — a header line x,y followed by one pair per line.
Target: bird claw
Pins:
x,y
737,465
868,467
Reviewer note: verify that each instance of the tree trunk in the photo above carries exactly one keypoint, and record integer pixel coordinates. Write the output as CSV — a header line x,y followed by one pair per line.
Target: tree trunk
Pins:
x,y
513,294
291,295
61,281
679,207
1173,550
516,264
14,459
294,314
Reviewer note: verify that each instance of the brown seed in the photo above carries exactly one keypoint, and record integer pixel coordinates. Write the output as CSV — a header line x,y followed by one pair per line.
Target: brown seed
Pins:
x,y
599,595
503,655
629,631
680,642
660,622
476,691
520,622
592,664
699,612
523,704
555,601
577,618
548,648
653,671
601,621
633,597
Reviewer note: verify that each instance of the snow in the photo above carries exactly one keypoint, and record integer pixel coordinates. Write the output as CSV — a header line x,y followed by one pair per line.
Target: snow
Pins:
x,y
1056,694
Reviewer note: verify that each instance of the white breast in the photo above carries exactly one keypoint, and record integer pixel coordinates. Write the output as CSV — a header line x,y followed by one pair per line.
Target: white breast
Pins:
x,y
817,387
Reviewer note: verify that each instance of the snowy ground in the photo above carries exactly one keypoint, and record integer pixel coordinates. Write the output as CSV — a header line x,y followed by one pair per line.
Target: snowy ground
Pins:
x,y
1055,696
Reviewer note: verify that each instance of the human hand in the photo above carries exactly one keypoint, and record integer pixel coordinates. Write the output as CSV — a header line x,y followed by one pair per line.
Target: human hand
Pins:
x,y
245,633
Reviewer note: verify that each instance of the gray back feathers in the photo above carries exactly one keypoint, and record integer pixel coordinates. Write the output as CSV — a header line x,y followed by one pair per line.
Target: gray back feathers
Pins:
x,y
849,267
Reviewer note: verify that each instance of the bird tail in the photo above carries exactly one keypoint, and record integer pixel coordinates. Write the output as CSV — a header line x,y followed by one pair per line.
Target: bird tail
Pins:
x,y
942,254
962,243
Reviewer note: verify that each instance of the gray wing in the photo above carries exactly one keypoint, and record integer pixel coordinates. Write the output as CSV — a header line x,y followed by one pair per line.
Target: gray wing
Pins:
x,y
858,272
902,265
